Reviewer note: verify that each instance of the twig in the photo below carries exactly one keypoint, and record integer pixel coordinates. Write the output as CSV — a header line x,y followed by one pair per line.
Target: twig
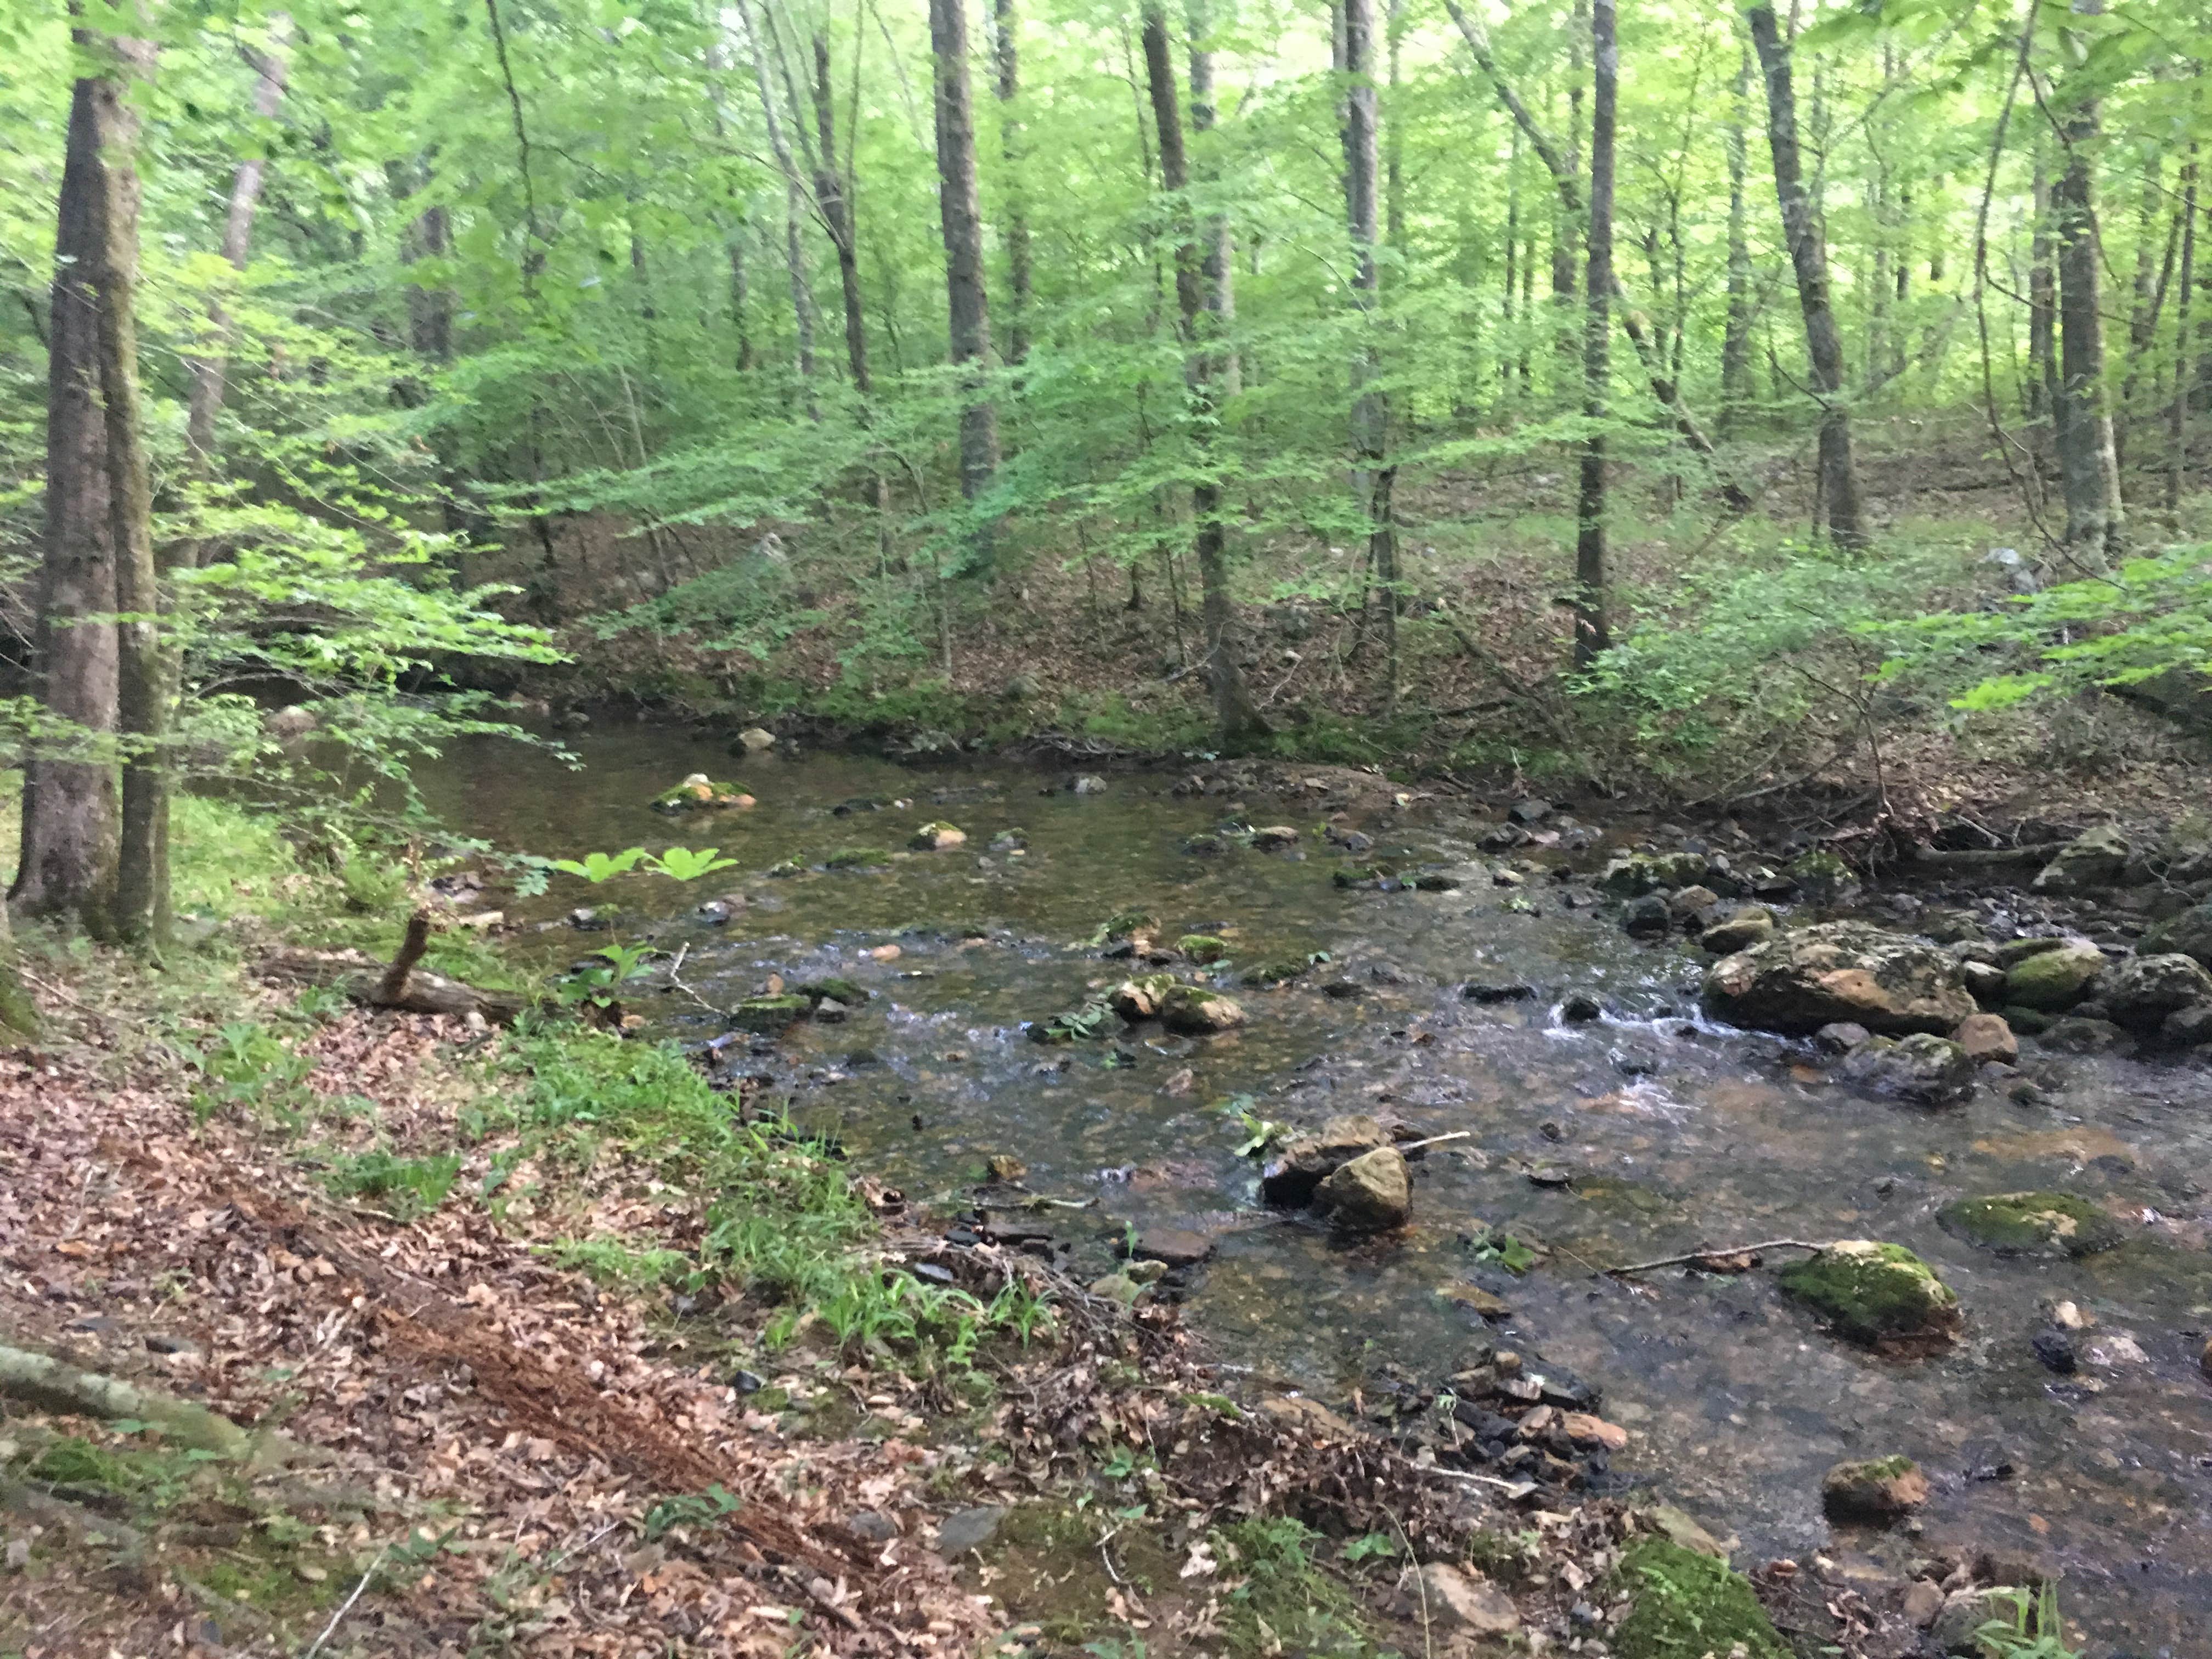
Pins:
x,y
1437,1140
348,1608
1706,1252
1511,1488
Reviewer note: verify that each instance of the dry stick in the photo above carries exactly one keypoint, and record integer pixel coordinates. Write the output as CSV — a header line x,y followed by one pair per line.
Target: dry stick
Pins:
x,y
337,1616
1437,1140
1707,1252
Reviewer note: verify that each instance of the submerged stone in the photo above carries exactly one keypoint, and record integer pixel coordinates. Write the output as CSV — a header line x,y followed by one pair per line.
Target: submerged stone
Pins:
x,y
834,989
1849,971
2014,1224
1872,1292
936,837
1277,970
1684,1605
1931,1070
1127,924
1203,947
856,857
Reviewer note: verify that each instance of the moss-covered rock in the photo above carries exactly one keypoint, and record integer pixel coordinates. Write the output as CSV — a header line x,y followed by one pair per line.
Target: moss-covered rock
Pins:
x,y
2031,1223
1203,947
1127,924
1688,1605
700,792
769,1015
848,991
1382,876
2056,978
1142,997
936,837
1278,970
1798,981
1878,1490
1634,874
856,857
1824,878
1195,1011
1874,1293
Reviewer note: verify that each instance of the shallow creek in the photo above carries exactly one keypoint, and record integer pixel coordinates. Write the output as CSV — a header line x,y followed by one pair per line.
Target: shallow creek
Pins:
x,y
1678,1134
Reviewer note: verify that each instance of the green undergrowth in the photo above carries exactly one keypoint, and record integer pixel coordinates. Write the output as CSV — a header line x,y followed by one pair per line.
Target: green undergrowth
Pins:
x,y
1686,1606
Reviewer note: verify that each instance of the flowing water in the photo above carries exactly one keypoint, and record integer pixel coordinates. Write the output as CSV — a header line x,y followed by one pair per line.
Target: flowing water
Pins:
x,y
1676,1133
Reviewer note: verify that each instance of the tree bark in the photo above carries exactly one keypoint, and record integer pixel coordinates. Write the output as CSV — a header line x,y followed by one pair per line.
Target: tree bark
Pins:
x,y
207,373
1735,339
2177,413
1808,257
1238,715
837,216
67,870
2042,391
2088,465
1591,633
960,211
146,674
1218,262
1007,45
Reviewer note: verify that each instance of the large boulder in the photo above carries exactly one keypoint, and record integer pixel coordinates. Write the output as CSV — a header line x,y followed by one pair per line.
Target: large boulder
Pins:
x,y
2055,978
2140,992
1931,1070
1371,1193
2093,860
2188,933
1874,1293
1301,1164
1796,983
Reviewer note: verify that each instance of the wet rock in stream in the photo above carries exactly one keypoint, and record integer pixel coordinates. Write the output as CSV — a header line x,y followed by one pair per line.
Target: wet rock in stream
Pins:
x,y
1881,1490
1932,1070
1796,983
1291,1175
2025,1224
1874,1293
1372,1193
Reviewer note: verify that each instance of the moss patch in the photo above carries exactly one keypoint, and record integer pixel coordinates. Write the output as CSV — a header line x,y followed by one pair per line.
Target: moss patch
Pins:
x,y
1203,947
1687,1606
2016,1224
1873,1292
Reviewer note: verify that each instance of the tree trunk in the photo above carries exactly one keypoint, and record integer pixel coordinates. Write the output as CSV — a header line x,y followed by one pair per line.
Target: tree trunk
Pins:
x,y
2177,413
1373,479
2042,392
2146,304
205,401
69,830
145,672
1007,44
1735,340
1808,256
837,215
960,209
1218,262
1591,634
2089,465
1239,717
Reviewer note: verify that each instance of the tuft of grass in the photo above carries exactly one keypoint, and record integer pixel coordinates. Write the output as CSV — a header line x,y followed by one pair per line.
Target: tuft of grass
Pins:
x,y
1287,1601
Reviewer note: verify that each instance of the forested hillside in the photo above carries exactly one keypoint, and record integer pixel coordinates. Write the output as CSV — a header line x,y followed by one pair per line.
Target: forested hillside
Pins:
x,y
1152,828
1375,370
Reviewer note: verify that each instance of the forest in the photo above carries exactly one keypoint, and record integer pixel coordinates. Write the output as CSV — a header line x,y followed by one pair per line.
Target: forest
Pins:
x,y
1562,583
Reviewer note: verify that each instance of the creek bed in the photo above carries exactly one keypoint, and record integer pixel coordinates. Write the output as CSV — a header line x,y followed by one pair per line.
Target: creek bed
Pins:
x,y
1677,1134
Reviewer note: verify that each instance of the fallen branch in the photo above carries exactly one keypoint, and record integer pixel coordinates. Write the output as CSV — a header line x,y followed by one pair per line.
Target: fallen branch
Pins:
x,y
40,1381
1708,1253
1437,1140
1981,858
400,985
338,1618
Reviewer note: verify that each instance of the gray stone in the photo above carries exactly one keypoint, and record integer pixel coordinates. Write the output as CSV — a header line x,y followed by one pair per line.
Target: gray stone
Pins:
x,y
1457,1600
2094,859
2076,1036
1985,980
2188,933
754,738
1646,917
2140,992
1798,981
1986,1038
2185,1028
1753,925
966,1530
1841,1037
1291,1174
1931,1070
1371,1193
1172,1245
